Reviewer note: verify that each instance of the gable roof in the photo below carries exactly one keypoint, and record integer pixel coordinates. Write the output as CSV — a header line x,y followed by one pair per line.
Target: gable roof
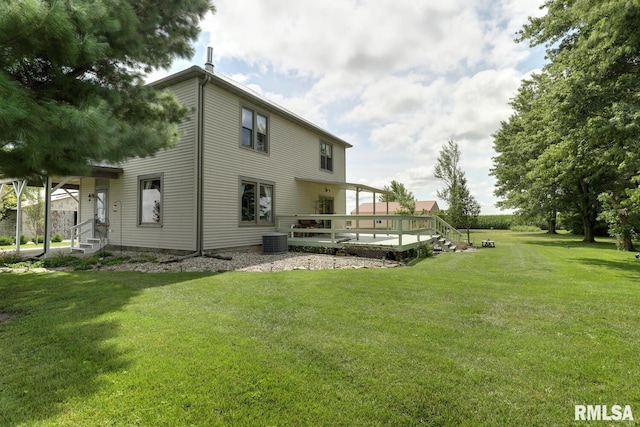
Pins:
x,y
243,92
381,207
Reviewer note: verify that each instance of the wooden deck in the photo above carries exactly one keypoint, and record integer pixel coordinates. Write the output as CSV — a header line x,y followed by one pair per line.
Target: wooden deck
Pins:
x,y
404,232
378,241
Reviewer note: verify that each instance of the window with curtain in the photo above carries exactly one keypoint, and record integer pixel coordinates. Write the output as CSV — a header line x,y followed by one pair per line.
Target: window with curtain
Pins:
x,y
256,202
266,203
150,200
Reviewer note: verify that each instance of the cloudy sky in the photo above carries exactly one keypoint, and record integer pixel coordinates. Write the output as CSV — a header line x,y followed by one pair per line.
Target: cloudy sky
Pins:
x,y
396,78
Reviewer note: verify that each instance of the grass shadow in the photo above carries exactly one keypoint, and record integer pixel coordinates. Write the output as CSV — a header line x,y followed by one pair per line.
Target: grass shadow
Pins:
x,y
568,241
57,339
631,266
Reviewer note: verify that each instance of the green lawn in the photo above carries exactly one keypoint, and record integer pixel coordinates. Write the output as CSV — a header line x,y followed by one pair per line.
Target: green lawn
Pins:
x,y
31,245
515,335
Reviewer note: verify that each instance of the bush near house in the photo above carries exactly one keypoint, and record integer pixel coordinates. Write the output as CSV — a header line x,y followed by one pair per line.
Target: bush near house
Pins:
x,y
56,238
6,240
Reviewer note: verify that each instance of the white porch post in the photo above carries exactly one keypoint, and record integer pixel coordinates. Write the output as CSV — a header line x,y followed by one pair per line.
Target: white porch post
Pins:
x,y
374,213
18,187
357,213
47,217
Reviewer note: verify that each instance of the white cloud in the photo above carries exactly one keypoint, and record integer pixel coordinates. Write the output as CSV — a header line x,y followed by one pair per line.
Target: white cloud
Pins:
x,y
359,37
397,79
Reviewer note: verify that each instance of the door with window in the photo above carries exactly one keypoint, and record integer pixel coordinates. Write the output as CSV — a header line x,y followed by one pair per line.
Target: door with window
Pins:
x,y
325,206
101,200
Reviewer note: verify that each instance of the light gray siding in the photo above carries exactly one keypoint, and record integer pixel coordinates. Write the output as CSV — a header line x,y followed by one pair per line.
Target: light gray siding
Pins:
x,y
85,207
294,152
178,168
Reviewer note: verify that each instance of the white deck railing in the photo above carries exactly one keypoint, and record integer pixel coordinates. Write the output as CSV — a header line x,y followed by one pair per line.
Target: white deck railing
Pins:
x,y
77,231
335,225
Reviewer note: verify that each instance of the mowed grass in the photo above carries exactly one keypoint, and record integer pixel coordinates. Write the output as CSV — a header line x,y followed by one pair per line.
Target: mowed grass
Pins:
x,y
516,335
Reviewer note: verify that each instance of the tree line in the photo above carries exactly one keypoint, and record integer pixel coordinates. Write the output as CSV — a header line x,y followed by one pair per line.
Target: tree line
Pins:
x,y
571,146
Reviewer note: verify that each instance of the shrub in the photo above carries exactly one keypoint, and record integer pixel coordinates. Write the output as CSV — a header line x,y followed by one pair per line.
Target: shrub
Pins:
x,y
494,222
23,239
37,239
6,240
525,228
56,238
7,259
77,263
424,251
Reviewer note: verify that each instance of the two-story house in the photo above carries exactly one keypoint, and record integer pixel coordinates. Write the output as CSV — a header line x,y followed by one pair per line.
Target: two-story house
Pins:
x,y
241,161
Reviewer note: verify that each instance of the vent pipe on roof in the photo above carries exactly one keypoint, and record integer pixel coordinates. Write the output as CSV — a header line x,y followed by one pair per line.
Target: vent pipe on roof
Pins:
x,y
209,64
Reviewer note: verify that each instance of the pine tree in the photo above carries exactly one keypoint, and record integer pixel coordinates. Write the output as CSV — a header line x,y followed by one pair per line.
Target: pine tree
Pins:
x,y
71,80
397,192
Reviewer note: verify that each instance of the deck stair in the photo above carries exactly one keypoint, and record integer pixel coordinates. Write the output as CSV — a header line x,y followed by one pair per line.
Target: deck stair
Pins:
x,y
444,245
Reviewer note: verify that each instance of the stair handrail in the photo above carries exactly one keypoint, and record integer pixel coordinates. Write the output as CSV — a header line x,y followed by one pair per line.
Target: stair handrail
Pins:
x,y
446,230
78,230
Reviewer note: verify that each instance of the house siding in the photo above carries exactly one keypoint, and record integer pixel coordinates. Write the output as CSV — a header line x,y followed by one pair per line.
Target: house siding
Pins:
x,y
178,168
294,151
85,207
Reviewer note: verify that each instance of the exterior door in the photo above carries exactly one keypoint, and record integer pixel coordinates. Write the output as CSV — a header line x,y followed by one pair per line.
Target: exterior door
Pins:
x,y
101,223
325,206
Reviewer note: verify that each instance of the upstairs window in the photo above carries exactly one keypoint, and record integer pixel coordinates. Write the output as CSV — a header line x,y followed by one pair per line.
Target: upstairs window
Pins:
x,y
255,131
326,156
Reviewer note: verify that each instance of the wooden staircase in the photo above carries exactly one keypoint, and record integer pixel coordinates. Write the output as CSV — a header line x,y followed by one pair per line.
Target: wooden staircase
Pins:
x,y
443,245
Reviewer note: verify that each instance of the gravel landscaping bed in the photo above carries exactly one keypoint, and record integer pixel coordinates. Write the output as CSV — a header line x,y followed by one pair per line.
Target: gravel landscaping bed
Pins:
x,y
231,261
243,261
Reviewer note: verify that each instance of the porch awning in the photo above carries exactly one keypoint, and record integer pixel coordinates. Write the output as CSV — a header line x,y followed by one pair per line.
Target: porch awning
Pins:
x,y
72,182
344,185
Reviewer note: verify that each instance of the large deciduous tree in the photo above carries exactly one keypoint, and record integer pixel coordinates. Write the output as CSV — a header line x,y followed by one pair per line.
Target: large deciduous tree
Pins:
x,y
71,80
583,122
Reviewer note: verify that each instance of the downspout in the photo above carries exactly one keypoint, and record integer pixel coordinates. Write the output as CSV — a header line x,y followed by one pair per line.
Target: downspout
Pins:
x,y
199,173
200,169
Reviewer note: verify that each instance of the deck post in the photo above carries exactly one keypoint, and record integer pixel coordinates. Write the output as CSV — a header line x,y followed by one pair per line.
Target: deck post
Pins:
x,y
374,214
357,213
333,232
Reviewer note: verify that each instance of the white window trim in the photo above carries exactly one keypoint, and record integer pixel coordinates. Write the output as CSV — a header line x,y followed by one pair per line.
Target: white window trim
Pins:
x,y
148,177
